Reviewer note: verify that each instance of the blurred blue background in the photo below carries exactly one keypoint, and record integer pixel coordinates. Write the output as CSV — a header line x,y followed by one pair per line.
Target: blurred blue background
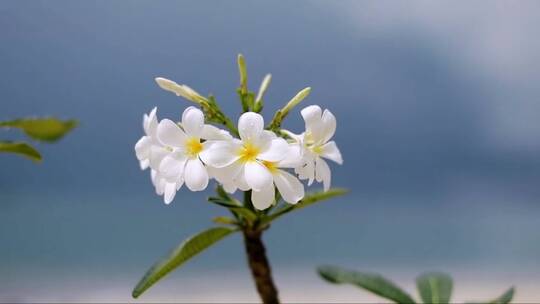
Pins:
x,y
438,109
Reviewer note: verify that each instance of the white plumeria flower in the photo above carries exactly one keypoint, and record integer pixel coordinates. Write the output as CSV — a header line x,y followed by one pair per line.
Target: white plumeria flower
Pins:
x,y
150,152
164,186
183,163
315,145
148,149
253,162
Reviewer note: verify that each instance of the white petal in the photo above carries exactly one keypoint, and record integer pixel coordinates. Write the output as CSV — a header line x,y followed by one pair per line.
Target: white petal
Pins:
x,y
240,179
142,148
226,174
264,140
150,122
311,115
293,158
169,193
179,183
144,164
210,132
153,176
157,153
170,134
172,166
230,187
195,175
250,126
331,151
322,173
307,171
257,175
193,122
264,198
160,185
289,186
329,125
276,150
219,153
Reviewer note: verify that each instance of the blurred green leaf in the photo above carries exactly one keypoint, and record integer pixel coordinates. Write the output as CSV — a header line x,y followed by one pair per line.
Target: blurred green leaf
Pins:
x,y
185,251
20,148
505,298
308,200
372,282
44,129
435,288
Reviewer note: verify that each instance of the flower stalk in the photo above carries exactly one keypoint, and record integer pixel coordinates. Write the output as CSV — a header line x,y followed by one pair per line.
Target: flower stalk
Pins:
x,y
259,266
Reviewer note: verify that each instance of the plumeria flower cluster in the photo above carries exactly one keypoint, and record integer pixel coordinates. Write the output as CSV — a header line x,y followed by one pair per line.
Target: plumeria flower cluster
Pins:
x,y
191,152
261,159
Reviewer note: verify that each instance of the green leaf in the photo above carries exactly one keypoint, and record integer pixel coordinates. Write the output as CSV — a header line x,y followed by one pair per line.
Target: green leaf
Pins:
x,y
308,200
434,287
44,129
224,220
20,148
374,283
185,251
505,298
245,213
235,207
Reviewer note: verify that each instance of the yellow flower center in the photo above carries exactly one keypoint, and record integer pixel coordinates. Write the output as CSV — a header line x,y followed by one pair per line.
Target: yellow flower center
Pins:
x,y
317,149
271,166
248,152
308,139
193,146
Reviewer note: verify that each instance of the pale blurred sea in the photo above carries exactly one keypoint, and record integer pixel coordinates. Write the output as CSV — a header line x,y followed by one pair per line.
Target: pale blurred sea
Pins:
x,y
57,254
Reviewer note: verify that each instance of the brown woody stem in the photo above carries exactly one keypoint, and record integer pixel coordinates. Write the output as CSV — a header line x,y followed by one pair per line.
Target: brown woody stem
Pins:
x,y
260,268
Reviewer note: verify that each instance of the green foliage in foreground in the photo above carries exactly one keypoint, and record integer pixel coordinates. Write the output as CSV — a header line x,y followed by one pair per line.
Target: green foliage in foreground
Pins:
x,y
185,251
20,148
243,216
41,129
433,288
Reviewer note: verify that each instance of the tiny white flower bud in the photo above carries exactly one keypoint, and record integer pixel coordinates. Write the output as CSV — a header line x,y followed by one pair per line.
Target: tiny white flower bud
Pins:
x,y
264,86
180,90
295,101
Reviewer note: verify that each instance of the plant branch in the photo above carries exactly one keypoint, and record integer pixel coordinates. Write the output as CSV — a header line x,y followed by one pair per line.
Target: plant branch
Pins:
x,y
260,267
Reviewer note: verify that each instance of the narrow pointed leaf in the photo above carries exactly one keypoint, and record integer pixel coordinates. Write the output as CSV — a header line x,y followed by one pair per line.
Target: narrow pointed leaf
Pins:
x,y
308,200
434,288
20,148
185,251
244,212
239,210
44,129
505,298
224,220
371,282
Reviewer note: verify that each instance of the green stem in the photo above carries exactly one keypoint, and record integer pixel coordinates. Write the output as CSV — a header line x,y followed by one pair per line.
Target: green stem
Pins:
x,y
230,125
